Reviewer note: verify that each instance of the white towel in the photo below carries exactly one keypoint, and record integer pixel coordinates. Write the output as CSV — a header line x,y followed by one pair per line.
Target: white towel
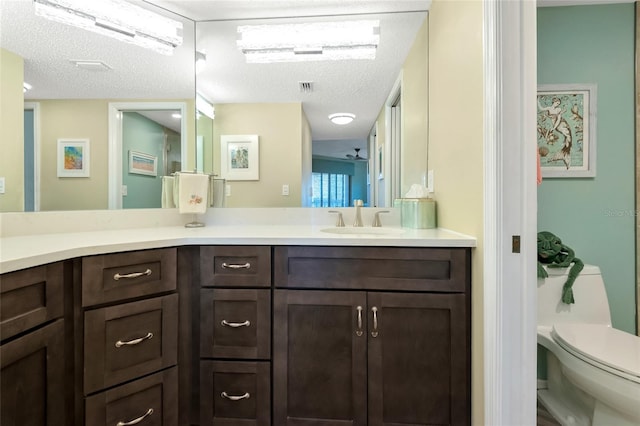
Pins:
x,y
167,193
192,192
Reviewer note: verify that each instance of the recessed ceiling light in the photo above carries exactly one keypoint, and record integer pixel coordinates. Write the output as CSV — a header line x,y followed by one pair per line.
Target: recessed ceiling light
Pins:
x,y
342,118
26,86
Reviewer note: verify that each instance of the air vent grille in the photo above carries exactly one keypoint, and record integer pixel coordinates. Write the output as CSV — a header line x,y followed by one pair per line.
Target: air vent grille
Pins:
x,y
306,86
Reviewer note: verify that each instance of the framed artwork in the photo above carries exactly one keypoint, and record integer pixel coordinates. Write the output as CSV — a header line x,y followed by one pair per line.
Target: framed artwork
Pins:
x,y
143,164
240,157
74,158
566,129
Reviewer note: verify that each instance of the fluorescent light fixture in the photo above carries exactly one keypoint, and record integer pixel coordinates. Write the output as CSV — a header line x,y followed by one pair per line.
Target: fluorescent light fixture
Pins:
x,y
342,118
313,41
26,86
118,19
203,106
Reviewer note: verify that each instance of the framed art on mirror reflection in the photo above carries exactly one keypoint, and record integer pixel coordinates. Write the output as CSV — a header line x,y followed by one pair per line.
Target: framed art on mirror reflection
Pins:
x,y
73,158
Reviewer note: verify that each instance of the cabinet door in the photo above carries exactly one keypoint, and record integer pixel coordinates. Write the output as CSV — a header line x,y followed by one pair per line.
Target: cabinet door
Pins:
x,y
418,359
32,384
319,358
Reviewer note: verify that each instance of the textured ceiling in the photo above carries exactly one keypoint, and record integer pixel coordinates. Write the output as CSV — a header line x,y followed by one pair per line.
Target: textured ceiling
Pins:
x,y
359,87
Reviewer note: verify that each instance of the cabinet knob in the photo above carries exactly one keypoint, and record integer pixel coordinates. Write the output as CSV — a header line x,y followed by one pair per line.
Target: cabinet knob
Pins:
x,y
235,397
121,343
374,333
136,420
119,276
226,323
226,265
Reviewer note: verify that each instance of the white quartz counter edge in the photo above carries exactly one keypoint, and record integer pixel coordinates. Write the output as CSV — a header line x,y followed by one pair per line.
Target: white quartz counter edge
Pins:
x,y
26,251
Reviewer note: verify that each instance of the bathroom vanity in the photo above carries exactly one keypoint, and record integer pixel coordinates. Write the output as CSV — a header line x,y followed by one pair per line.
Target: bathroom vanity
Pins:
x,y
214,328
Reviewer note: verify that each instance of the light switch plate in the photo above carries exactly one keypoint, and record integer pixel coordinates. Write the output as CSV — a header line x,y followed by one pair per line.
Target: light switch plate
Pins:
x,y
227,190
1,185
430,181
285,189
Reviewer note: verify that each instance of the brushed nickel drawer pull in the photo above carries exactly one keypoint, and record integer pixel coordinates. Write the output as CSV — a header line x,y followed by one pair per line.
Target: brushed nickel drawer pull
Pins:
x,y
374,333
137,420
233,397
359,330
236,265
132,275
121,343
247,323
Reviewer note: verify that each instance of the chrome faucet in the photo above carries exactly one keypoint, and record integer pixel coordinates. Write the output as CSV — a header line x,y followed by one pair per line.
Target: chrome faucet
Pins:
x,y
339,221
376,218
358,220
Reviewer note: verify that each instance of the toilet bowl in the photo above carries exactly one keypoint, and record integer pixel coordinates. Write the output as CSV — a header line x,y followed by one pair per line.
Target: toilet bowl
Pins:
x,y
593,370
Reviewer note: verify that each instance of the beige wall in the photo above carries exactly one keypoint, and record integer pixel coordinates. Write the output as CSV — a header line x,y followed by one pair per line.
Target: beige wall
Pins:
x,y
12,125
84,119
73,119
279,127
415,78
456,145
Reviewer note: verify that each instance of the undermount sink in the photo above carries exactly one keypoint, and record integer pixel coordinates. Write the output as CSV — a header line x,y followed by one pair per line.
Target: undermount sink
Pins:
x,y
363,231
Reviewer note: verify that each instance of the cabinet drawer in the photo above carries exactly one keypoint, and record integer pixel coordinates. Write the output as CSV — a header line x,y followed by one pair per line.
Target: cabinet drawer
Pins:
x,y
126,341
373,268
152,400
30,297
234,393
120,276
235,266
235,323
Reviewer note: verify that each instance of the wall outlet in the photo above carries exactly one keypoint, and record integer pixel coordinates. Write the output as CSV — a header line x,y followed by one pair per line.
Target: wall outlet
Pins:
x,y
430,181
1,185
285,189
227,190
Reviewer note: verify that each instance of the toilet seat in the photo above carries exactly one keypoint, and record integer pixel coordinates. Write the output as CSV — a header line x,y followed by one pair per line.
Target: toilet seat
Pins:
x,y
604,347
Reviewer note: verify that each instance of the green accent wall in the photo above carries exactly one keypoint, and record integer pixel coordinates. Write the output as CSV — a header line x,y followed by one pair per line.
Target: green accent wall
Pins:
x,y
356,169
596,216
146,136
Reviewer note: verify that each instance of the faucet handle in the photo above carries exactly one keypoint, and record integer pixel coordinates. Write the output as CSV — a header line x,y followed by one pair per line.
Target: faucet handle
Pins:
x,y
376,218
339,221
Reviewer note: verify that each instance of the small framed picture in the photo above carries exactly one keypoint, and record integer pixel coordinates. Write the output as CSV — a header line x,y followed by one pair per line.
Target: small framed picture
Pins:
x,y
143,164
73,158
566,127
240,157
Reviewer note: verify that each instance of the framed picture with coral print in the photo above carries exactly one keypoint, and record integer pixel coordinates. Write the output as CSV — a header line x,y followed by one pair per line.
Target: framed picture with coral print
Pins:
x,y
566,128
240,157
73,158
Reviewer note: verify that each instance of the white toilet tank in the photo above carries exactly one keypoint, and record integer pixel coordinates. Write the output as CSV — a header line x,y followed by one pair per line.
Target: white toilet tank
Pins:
x,y
591,304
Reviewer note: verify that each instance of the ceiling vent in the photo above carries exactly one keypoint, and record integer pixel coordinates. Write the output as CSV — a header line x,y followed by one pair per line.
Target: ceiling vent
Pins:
x,y
91,65
306,86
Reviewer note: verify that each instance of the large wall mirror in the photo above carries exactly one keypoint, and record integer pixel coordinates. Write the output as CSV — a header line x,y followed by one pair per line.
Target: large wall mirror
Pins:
x,y
86,86
304,158
121,100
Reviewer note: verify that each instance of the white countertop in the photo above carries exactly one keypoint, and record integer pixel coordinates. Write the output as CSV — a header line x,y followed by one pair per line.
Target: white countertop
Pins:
x,y
32,249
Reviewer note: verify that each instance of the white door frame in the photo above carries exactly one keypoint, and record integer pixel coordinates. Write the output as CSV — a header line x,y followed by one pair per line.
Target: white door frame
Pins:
x,y
115,140
510,209
391,159
35,107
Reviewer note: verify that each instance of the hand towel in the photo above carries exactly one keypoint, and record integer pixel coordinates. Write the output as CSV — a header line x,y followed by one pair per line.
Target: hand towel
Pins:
x,y
193,189
167,201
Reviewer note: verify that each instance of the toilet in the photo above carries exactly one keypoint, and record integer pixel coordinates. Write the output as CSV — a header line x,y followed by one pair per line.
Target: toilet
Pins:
x,y
593,370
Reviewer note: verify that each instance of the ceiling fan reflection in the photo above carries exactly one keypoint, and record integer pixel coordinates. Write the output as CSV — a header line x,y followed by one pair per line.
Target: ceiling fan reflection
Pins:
x,y
357,156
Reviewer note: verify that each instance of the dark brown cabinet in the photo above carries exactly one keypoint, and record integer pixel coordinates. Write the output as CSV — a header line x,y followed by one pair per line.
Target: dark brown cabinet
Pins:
x,y
235,335
367,351
33,369
128,337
